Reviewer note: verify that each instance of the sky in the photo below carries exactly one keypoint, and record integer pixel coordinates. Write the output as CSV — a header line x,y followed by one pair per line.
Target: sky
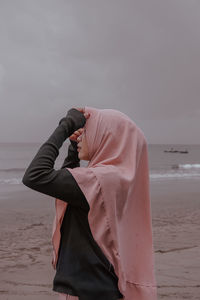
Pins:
x,y
141,57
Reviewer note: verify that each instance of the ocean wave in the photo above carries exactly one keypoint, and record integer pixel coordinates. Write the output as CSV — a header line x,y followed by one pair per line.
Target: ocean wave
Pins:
x,y
11,181
189,166
13,170
163,176
153,176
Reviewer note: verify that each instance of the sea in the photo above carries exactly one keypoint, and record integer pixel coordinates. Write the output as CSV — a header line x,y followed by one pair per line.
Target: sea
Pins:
x,y
183,164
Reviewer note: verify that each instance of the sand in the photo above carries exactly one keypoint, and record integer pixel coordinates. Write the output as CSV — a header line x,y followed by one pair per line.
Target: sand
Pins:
x,y
26,218
176,227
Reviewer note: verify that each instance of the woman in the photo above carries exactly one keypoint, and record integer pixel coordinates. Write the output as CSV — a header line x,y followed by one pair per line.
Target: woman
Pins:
x,y
102,233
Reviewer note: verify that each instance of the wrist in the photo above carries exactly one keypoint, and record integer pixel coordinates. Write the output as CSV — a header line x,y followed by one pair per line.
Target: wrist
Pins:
x,y
73,120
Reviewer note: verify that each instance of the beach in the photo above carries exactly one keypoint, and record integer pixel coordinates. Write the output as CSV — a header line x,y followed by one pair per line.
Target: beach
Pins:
x,y
26,218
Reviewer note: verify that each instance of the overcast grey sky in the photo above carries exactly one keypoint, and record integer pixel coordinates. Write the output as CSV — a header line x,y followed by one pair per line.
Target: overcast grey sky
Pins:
x,y
140,57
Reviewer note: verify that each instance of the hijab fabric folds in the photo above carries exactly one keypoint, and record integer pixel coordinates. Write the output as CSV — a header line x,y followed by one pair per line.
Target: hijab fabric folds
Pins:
x,y
116,186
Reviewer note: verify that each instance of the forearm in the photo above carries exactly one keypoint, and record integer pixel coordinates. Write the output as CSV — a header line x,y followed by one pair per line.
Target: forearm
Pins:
x,y
44,160
41,175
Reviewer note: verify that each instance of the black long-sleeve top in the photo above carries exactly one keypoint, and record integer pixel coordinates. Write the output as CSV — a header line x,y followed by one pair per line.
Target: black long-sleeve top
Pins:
x,y
82,269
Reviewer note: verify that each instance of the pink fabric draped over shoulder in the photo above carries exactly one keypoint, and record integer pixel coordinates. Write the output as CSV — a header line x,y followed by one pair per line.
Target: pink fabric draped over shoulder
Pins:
x,y
116,186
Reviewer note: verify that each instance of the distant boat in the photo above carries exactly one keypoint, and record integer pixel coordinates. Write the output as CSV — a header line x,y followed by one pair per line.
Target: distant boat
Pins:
x,y
176,151
175,167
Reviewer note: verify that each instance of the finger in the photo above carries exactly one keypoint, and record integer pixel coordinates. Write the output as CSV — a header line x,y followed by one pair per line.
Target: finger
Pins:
x,y
80,109
79,131
87,115
72,138
76,134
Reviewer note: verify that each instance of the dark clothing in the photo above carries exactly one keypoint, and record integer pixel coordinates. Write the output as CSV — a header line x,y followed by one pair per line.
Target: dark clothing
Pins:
x,y
82,269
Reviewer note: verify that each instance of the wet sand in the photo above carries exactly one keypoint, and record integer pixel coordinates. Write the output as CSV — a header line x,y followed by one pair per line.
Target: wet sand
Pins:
x,y
176,227
26,218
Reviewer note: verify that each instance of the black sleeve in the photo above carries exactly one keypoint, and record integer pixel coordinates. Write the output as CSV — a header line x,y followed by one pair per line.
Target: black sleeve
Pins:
x,y
41,175
72,160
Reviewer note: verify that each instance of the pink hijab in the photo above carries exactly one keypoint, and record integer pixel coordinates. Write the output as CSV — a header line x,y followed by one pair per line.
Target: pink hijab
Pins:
x,y
116,186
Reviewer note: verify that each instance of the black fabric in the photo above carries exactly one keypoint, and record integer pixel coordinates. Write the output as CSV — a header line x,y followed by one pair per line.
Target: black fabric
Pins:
x,y
82,269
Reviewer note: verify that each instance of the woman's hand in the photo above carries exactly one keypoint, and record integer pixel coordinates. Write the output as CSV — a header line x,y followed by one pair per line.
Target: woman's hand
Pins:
x,y
78,132
82,109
